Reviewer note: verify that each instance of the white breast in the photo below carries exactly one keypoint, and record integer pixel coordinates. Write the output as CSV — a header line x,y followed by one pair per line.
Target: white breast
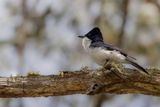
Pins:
x,y
101,55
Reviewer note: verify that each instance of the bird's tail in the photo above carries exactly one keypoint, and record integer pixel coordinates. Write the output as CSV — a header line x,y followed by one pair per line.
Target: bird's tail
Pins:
x,y
136,65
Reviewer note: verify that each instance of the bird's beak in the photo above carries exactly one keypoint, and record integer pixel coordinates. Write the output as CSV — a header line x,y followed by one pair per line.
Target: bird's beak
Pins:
x,y
81,36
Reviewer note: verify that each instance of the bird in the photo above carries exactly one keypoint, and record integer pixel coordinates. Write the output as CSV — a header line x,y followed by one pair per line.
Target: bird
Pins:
x,y
101,52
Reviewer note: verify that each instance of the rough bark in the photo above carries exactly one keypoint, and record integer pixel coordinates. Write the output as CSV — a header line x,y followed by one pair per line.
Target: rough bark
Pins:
x,y
84,81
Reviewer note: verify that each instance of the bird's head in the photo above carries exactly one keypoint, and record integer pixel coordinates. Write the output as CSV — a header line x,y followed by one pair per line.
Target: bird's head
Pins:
x,y
94,35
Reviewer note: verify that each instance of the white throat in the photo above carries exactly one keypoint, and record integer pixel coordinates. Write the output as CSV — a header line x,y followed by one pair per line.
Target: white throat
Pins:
x,y
86,43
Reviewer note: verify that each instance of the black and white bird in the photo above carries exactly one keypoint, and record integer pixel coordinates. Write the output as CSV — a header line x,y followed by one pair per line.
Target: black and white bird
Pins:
x,y
93,44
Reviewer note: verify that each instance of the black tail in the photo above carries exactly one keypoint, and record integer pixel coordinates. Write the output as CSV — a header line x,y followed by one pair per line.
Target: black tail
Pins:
x,y
136,65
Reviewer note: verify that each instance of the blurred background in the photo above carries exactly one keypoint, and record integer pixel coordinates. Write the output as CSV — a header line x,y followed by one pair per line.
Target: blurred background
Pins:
x,y
41,36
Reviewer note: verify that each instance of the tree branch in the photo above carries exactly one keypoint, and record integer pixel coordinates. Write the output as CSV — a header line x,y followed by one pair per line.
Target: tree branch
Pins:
x,y
84,81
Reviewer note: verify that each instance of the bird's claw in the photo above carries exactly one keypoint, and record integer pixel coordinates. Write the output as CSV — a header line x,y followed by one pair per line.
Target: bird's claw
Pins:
x,y
115,67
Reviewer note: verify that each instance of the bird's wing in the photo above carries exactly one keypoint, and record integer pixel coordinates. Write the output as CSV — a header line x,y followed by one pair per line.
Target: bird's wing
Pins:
x,y
136,65
111,47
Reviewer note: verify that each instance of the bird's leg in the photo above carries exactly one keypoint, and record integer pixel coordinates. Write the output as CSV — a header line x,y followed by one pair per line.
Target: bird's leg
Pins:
x,y
118,66
106,61
115,67
108,64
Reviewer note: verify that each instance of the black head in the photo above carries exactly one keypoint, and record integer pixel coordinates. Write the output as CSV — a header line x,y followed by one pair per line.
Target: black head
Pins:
x,y
94,35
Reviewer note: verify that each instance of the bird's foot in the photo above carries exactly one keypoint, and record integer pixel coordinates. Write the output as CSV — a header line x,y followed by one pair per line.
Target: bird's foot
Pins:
x,y
115,67
110,63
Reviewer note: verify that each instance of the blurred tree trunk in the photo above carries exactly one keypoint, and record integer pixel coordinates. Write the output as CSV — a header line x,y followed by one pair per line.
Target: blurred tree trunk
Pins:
x,y
125,4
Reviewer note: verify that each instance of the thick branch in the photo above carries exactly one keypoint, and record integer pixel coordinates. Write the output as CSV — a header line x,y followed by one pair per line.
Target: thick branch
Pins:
x,y
82,82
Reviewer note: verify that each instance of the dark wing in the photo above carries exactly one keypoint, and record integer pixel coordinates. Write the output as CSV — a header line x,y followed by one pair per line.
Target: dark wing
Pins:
x,y
110,47
136,65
